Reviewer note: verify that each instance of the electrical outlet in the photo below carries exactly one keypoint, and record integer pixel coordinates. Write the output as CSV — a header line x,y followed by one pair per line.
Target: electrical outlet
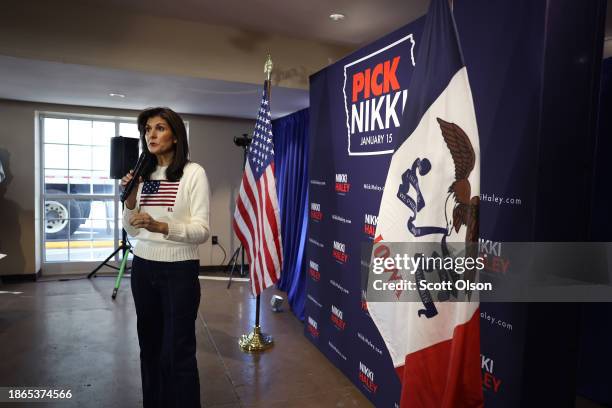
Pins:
x,y
215,240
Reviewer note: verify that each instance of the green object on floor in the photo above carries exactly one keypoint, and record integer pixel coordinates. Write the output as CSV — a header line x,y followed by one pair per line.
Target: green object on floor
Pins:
x,y
126,254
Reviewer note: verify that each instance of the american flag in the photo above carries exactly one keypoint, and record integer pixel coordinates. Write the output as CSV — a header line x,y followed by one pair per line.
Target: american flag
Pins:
x,y
256,218
159,193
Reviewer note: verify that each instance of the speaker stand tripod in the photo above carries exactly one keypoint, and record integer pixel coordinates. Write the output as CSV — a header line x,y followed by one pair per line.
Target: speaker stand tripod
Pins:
x,y
126,249
233,260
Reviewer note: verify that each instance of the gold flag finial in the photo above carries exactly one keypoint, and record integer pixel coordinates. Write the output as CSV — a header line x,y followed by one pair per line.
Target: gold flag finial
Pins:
x,y
268,67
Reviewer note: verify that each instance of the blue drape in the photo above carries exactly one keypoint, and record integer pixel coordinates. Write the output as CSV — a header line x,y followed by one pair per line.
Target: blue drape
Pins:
x,y
594,377
291,169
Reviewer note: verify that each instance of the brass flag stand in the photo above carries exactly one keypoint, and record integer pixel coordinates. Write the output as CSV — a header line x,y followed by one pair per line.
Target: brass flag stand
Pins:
x,y
256,341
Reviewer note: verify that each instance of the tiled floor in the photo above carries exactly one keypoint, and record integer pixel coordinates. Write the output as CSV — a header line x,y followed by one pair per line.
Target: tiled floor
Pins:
x,y
71,334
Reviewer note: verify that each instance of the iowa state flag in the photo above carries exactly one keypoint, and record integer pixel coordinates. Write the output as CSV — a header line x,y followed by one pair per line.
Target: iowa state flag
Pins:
x,y
431,195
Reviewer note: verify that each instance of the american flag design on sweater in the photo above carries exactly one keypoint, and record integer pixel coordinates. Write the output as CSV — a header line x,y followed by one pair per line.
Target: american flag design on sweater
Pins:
x,y
158,193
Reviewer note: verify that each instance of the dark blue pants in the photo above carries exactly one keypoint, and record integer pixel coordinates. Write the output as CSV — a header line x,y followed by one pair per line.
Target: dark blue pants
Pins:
x,y
167,296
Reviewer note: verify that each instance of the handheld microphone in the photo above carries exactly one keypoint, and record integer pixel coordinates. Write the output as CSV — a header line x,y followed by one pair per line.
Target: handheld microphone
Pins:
x,y
134,181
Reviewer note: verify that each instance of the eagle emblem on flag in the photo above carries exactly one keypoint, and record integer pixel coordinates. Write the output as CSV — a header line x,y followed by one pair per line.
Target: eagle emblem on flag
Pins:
x,y
464,208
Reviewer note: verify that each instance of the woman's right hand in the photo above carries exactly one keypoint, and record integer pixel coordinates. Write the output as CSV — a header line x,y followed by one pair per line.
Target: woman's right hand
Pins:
x,y
130,202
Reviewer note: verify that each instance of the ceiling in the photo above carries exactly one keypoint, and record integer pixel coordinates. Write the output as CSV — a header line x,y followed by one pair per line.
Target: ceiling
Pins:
x,y
64,83
366,20
83,85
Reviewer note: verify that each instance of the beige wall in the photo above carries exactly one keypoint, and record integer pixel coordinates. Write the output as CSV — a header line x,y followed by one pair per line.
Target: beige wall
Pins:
x,y
211,144
17,195
66,31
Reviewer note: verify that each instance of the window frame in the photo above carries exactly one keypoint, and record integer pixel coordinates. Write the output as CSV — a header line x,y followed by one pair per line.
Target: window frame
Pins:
x,y
56,265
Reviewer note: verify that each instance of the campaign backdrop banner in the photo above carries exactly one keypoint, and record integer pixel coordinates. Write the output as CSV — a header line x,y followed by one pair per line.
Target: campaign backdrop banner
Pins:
x,y
356,106
356,110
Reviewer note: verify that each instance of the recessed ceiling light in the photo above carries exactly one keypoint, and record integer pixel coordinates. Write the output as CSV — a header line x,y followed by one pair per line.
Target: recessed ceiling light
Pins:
x,y
116,95
337,16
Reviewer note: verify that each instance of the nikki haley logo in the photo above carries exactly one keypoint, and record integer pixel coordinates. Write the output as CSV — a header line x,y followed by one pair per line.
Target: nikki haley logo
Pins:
x,y
339,252
342,184
491,251
313,327
364,302
489,381
366,377
315,212
375,94
313,271
336,318
369,226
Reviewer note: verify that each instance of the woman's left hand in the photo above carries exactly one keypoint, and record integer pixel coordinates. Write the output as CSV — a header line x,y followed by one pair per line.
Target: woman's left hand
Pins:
x,y
144,220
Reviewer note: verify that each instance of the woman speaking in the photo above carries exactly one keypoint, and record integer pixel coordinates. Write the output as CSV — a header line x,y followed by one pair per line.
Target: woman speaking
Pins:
x,y
168,214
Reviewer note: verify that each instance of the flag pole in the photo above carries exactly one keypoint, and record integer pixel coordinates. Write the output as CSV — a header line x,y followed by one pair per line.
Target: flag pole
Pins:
x,y
256,341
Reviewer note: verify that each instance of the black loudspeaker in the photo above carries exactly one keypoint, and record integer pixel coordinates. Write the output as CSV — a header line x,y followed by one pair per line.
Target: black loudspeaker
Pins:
x,y
123,155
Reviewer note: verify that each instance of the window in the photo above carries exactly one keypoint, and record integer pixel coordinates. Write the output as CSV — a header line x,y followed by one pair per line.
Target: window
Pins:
x,y
81,212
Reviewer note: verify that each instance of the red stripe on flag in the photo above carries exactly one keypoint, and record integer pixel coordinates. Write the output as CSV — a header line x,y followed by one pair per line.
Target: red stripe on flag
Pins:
x,y
261,236
262,185
277,243
272,217
150,203
246,219
247,222
253,244
248,226
249,190
241,238
447,374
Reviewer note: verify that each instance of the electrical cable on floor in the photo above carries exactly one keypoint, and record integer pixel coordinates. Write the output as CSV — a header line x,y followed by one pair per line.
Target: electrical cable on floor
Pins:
x,y
69,279
43,280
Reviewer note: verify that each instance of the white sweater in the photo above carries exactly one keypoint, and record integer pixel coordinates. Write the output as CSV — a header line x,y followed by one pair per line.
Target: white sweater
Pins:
x,y
183,205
